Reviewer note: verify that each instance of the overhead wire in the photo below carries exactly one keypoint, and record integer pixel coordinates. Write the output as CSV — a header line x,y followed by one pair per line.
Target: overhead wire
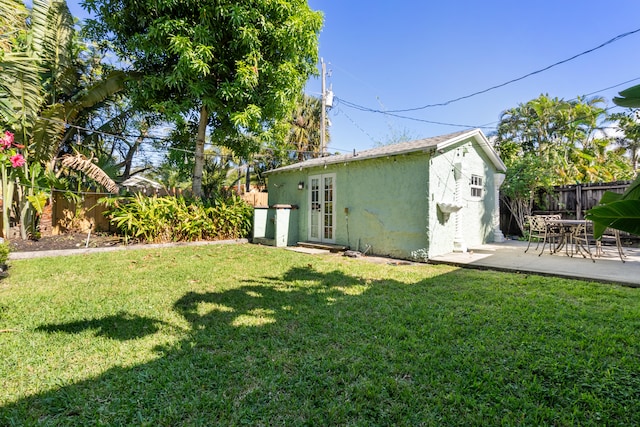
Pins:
x,y
164,139
460,98
483,126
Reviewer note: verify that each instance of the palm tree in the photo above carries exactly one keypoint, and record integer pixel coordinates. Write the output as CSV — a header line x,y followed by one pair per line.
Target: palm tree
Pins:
x,y
629,142
40,88
304,135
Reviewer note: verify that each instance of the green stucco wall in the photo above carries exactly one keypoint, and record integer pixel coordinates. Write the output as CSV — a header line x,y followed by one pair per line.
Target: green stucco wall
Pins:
x,y
390,203
476,215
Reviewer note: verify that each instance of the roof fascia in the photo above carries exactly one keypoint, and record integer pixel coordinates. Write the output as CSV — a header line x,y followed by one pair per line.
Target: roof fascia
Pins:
x,y
478,135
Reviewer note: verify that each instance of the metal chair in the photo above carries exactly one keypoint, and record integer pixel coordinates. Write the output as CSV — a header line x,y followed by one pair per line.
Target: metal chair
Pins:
x,y
539,229
580,240
610,235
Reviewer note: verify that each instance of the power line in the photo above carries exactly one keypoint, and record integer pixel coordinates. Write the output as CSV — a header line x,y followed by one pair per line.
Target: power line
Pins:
x,y
354,123
467,126
415,119
165,139
451,101
611,87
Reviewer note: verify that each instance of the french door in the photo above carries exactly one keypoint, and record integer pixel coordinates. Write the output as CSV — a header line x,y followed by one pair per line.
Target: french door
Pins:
x,y
322,215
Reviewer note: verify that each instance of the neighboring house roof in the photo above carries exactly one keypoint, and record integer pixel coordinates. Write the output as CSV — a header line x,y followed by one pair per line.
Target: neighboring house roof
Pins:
x,y
141,182
435,143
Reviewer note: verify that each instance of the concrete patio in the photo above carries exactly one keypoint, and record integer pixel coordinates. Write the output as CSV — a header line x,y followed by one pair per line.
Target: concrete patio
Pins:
x,y
510,256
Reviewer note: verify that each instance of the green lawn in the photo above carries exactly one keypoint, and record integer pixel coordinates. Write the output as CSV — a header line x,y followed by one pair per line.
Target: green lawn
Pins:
x,y
242,334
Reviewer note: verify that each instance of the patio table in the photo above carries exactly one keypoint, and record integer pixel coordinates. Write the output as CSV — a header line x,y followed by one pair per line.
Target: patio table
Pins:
x,y
573,236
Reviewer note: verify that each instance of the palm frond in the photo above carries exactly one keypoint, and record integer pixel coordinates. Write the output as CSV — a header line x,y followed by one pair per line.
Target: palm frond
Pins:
x,y
82,164
57,49
113,83
39,25
47,133
21,87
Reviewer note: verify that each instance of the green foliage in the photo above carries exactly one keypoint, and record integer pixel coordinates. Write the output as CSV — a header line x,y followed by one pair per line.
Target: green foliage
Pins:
x,y
4,252
618,211
629,125
304,135
526,175
550,141
564,135
175,219
236,66
629,97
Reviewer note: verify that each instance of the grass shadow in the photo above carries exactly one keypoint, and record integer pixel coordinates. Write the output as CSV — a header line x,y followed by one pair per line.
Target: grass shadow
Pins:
x,y
331,348
122,326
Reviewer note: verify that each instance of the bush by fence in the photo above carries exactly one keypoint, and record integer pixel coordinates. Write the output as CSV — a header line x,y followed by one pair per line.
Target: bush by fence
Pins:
x,y
64,216
174,219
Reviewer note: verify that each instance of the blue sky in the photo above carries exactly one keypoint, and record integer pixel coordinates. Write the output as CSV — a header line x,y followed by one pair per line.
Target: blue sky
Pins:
x,y
405,54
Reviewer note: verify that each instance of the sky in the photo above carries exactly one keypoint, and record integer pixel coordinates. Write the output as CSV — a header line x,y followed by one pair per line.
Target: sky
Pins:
x,y
399,55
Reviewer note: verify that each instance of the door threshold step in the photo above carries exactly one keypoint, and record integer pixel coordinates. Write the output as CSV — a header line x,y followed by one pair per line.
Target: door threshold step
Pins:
x,y
326,246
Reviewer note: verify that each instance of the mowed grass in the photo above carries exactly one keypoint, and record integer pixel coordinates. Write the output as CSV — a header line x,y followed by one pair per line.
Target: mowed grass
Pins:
x,y
248,335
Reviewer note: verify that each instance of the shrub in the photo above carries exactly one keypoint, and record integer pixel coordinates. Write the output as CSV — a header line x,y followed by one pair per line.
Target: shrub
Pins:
x,y
172,219
4,253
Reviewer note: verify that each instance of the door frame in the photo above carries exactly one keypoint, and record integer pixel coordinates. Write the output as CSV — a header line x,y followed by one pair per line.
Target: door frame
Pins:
x,y
324,205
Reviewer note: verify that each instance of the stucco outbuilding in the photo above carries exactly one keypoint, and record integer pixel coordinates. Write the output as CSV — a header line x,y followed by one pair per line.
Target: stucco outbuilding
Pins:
x,y
416,199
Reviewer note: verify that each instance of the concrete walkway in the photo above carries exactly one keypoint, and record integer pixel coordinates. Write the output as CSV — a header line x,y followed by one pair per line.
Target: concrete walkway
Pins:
x,y
510,256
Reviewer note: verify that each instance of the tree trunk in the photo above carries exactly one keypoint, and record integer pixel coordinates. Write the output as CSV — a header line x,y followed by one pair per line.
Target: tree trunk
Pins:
x,y
196,185
247,180
128,161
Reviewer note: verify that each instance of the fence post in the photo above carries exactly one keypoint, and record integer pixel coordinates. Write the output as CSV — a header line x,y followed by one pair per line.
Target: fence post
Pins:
x,y
579,201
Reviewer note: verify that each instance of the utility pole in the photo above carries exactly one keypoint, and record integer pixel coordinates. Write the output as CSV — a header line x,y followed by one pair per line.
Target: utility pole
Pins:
x,y
323,110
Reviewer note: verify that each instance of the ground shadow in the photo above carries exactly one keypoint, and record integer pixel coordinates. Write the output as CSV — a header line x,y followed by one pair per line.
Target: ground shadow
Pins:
x,y
328,348
249,348
122,326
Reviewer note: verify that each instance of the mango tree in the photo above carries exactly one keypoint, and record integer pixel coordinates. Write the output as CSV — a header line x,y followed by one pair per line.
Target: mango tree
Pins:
x,y
231,67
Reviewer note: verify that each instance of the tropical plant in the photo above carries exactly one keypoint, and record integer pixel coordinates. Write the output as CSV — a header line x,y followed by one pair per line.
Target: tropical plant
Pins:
x,y
304,135
236,66
41,90
620,211
629,124
171,219
526,176
629,97
10,159
550,141
41,78
81,163
4,255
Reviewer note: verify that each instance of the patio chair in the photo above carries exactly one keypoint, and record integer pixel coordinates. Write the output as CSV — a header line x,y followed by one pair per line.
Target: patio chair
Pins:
x,y
580,241
540,230
613,236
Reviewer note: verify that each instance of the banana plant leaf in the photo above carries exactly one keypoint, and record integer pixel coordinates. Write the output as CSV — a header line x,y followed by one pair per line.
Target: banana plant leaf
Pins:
x,y
38,201
618,211
629,97
623,215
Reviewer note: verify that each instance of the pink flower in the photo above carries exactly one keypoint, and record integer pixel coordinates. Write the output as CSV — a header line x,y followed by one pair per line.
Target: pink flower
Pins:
x,y
17,160
6,140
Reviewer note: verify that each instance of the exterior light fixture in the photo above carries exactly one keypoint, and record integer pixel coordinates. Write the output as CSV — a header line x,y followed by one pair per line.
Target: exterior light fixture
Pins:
x,y
301,185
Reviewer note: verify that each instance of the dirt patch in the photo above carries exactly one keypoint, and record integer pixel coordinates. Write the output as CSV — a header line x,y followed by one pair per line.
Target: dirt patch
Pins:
x,y
65,241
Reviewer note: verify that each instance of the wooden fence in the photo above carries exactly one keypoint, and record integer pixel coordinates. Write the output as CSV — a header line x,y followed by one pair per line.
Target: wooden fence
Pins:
x,y
68,216
64,216
571,201
257,199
